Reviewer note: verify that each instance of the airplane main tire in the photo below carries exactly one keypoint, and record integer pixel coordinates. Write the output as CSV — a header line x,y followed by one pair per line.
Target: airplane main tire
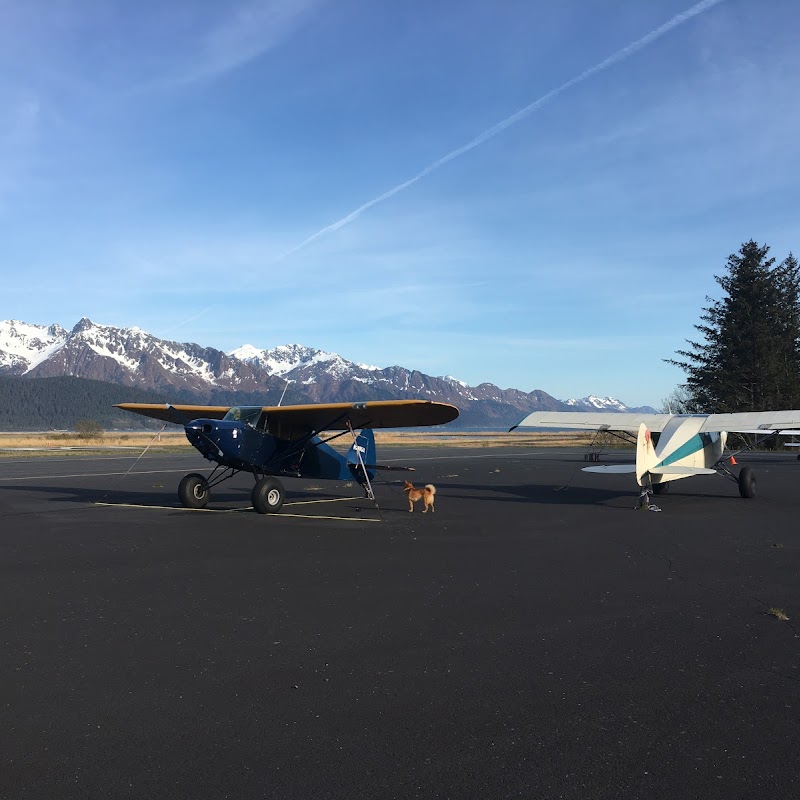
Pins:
x,y
660,488
268,496
193,491
747,482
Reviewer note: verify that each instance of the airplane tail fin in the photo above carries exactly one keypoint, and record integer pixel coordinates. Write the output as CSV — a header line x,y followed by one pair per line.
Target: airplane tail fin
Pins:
x,y
646,457
363,446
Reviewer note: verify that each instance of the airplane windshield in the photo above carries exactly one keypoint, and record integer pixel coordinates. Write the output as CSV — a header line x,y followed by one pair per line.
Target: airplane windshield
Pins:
x,y
246,414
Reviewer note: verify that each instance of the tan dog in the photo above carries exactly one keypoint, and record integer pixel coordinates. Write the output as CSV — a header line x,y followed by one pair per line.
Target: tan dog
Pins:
x,y
426,495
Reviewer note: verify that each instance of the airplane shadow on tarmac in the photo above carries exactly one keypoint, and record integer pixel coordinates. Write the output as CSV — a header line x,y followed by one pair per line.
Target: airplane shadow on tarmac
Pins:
x,y
234,499
542,494
390,496
551,494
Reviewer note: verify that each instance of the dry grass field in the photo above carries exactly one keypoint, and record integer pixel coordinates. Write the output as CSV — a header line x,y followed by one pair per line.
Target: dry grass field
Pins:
x,y
176,440
60,441
455,438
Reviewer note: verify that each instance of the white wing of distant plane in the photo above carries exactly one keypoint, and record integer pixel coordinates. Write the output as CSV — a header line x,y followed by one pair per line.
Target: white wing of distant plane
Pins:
x,y
745,422
588,420
752,422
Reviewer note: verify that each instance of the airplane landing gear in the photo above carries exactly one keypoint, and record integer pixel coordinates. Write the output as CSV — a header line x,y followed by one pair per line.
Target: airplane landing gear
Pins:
x,y
747,482
645,497
193,491
268,495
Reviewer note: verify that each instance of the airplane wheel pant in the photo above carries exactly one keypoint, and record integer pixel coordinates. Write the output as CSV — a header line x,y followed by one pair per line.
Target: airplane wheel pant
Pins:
x,y
193,491
268,496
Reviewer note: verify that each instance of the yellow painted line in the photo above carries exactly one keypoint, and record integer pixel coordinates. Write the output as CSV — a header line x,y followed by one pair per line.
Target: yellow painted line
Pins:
x,y
327,500
177,508
234,511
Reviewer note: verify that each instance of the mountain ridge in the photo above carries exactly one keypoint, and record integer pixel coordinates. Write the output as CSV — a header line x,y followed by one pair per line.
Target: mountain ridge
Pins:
x,y
134,358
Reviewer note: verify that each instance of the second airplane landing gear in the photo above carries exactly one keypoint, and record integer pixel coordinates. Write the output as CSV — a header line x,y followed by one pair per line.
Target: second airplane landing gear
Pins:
x,y
747,482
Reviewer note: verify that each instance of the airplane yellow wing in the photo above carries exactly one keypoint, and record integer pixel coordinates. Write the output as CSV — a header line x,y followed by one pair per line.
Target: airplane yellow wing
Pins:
x,y
375,414
177,414
318,416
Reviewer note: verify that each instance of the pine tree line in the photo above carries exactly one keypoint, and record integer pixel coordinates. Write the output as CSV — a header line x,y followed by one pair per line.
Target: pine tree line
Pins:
x,y
748,358
60,403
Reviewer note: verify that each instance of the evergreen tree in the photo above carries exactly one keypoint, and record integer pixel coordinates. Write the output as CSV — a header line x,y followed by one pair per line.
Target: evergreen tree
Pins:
x,y
788,280
750,352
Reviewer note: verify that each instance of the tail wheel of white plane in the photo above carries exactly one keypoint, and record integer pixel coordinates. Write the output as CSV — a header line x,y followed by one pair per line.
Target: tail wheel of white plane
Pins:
x,y
268,495
193,491
747,482
660,488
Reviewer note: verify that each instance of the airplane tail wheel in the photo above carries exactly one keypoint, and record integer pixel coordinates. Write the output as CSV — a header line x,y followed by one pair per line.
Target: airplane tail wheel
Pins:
x,y
268,496
660,488
193,491
747,482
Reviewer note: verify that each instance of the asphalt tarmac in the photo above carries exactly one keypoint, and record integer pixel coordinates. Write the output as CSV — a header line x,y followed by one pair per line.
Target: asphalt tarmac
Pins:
x,y
521,641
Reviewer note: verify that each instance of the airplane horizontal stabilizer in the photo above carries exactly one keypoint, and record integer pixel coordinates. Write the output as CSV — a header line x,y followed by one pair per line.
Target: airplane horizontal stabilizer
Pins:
x,y
677,470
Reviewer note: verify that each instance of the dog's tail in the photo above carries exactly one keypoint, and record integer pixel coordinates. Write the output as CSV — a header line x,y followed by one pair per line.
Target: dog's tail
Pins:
x,y
429,487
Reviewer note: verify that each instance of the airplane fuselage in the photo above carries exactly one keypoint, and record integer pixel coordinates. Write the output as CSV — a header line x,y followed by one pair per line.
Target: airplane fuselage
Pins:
x,y
681,444
241,446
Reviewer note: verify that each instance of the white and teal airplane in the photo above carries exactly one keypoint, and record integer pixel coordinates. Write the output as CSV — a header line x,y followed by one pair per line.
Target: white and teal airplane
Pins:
x,y
674,446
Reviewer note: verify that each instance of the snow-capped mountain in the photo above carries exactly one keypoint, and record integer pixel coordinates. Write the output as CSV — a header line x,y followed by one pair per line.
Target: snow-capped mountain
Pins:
x,y
24,346
289,357
594,403
127,356
132,357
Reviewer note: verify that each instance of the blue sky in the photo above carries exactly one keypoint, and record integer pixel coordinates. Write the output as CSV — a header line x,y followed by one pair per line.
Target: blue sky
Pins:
x,y
532,194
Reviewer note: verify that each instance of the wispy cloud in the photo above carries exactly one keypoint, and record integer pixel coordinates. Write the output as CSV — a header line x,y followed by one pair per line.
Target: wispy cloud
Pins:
x,y
246,32
496,129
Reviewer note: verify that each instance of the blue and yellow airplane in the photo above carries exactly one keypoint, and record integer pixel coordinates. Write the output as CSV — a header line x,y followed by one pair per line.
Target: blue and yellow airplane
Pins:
x,y
285,441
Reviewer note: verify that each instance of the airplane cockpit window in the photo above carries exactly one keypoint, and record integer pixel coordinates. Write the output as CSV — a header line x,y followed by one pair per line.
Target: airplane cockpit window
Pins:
x,y
248,415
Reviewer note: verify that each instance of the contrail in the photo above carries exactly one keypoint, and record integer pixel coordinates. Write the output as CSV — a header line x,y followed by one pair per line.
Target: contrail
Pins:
x,y
621,55
186,321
